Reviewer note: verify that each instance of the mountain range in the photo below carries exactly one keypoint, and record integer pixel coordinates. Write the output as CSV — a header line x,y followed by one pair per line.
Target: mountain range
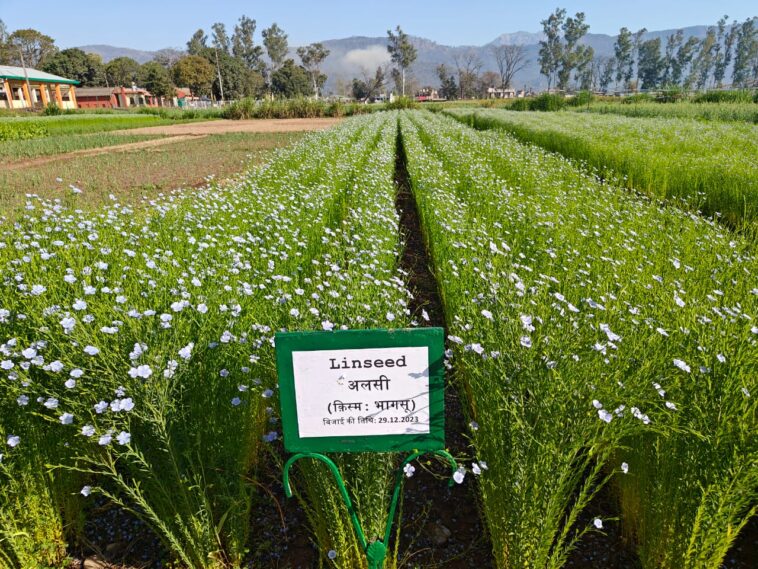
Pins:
x,y
358,55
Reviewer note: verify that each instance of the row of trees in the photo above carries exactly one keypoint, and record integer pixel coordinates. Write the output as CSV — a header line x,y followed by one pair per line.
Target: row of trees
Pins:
x,y
694,63
224,67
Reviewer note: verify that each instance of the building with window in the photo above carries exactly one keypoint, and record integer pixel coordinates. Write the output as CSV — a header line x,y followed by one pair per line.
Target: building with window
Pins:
x,y
30,88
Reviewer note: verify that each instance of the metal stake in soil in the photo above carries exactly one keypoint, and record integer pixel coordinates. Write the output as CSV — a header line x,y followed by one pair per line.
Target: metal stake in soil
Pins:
x,y
376,550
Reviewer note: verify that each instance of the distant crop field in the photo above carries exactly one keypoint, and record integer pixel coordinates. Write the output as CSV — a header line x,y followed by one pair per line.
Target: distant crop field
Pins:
x,y
709,166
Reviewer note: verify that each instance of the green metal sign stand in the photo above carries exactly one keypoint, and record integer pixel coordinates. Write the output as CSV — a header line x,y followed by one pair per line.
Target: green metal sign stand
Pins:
x,y
376,550
362,391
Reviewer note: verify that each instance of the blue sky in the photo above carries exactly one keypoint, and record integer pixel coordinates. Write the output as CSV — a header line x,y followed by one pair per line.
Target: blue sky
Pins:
x,y
156,24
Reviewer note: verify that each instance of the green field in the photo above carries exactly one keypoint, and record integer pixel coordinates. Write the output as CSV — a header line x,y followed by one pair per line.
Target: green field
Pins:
x,y
707,166
601,343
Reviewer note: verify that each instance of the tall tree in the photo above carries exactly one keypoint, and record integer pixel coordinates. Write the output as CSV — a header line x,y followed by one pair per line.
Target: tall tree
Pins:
x,y
74,64
402,53
650,64
683,61
156,79
290,80
573,55
623,50
243,44
35,47
467,64
275,42
510,59
724,43
122,71
705,59
220,37
607,68
637,43
551,48
312,57
197,42
448,88
195,72
746,53
673,43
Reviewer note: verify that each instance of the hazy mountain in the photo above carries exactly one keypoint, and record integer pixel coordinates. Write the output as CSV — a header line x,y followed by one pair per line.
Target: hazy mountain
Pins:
x,y
352,57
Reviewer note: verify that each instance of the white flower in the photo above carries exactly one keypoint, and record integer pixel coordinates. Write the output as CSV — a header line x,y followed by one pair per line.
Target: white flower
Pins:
x,y
13,440
682,365
598,523
625,467
475,469
236,401
526,341
91,350
7,364
105,440
295,313
526,322
328,326
70,383
662,332
38,290
679,302
142,371
671,405
101,407
29,353
68,324
124,438
51,403
332,554
721,358
425,316
66,419
86,491
79,305
202,308
390,317
267,394
605,415
186,351
88,430
409,469
459,475
611,336
487,314
22,400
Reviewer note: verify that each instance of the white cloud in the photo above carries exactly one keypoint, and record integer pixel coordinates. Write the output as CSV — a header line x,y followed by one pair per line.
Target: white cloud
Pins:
x,y
368,58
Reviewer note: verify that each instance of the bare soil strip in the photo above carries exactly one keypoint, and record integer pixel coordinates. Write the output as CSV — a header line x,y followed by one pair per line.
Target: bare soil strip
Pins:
x,y
224,126
96,151
441,525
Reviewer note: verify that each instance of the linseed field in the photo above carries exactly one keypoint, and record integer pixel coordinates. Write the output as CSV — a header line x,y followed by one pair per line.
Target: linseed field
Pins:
x,y
601,339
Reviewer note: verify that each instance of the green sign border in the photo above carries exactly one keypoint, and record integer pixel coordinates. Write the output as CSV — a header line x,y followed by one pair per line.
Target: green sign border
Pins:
x,y
432,338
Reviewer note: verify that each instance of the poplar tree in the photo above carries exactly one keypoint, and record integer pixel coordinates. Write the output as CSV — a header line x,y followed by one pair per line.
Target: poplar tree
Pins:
x,y
402,53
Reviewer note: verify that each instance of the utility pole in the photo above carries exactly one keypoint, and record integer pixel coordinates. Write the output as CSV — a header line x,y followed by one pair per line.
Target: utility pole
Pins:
x,y
220,82
26,75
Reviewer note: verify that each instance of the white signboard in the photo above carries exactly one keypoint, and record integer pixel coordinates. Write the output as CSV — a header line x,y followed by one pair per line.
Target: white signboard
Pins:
x,y
362,392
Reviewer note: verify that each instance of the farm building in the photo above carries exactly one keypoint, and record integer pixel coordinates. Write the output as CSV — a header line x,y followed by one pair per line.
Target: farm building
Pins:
x,y
115,98
24,89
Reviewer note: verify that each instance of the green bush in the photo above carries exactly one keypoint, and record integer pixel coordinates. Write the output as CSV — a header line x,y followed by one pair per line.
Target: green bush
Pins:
x,y
21,130
547,102
740,96
581,99
52,110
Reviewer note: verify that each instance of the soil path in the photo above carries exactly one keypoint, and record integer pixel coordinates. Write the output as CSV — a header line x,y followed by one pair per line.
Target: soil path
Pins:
x,y
441,526
225,126
95,151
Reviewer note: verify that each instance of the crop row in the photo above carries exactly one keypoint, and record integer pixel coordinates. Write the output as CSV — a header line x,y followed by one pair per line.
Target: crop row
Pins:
x,y
599,340
708,166
739,112
136,348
